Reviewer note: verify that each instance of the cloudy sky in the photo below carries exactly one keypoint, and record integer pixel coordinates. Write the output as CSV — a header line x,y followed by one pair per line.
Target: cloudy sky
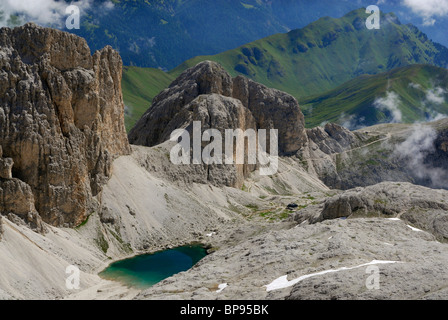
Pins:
x,y
52,11
43,12
429,10
431,16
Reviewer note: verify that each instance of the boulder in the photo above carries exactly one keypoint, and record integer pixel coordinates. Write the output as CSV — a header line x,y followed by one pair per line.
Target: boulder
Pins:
x,y
419,206
18,204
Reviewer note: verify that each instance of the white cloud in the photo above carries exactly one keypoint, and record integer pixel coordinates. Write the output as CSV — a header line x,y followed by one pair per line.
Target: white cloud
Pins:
x,y
43,12
436,95
390,103
108,5
40,11
414,151
415,85
436,116
428,9
351,122
429,22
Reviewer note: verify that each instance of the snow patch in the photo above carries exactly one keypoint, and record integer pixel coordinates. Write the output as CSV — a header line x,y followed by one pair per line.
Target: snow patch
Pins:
x,y
282,282
221,287
415,229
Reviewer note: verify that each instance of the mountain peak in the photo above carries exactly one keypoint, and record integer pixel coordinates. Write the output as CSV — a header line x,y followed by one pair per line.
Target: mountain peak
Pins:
x,y
329,52
62,49
209,76
61,120
237,103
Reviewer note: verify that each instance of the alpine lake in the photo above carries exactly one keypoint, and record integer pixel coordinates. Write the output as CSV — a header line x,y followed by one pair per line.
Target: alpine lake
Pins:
x,y
144,271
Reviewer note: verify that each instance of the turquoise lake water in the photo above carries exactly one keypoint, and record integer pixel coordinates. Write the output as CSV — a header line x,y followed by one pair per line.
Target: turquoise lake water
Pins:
x,y
146,270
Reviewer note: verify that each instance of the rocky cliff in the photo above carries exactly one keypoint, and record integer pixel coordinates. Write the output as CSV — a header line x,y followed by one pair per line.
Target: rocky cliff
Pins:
x,y
400,152
207,93
270,108
61,123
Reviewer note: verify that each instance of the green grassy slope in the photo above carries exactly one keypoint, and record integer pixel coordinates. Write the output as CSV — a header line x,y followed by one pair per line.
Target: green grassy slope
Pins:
x,y
140,86
418,88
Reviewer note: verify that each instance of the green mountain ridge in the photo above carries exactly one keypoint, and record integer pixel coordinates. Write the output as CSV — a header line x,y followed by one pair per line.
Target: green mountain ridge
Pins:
x,y
165,33
416,92
327,53
317,58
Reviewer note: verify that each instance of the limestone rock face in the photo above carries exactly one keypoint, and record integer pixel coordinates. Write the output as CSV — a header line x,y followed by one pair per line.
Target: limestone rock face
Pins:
x,y
438,158
218,112
422,207
207,93
331,138
271,109
345,160
205,78
61,118
6,168
17,203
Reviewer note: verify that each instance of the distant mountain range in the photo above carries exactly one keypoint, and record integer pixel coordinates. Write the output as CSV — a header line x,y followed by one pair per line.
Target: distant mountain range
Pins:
x,y
329,52
315,59
164,33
